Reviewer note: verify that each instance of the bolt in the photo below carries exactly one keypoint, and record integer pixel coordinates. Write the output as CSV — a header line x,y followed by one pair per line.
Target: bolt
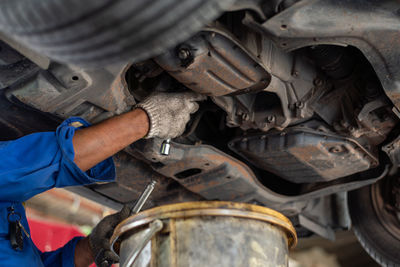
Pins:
x,y
318,82
336,149
245,116
270,119
184,53
299,104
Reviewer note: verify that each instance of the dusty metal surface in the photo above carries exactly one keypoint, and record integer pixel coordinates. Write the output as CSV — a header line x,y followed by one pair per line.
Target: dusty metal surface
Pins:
x,y
201,169
191,230
393,150
133,176
16,121
302,155
8,55
372,26
91,94
212,64
39,59
213,174
280,98
14,67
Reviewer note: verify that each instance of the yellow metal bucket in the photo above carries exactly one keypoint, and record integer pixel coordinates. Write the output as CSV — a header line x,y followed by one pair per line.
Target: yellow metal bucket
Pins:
x,y
199,234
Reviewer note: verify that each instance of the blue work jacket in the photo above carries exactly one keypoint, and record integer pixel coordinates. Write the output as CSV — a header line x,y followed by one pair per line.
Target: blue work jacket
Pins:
x,y
31,165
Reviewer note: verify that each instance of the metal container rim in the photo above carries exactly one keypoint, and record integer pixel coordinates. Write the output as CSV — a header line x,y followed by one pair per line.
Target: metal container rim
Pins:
x,y
207,208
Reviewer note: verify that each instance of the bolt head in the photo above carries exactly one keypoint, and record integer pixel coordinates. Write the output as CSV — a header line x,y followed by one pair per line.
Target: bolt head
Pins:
x,y
270,118
184,53
318,82
336,149
299,104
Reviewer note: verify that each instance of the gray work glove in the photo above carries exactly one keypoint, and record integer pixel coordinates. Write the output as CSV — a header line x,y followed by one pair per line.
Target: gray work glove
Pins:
x,y
99,239
169,112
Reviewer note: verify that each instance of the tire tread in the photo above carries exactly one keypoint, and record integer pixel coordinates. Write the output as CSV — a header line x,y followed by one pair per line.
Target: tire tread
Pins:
x,y
106,31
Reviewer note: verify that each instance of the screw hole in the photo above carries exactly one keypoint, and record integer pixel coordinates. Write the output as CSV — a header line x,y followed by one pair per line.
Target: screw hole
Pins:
x,y
283,26
153,158
284,44
228,177
207,164
337,149
75,78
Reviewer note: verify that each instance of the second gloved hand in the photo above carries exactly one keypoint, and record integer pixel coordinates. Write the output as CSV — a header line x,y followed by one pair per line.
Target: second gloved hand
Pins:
x,y
169,112
99,239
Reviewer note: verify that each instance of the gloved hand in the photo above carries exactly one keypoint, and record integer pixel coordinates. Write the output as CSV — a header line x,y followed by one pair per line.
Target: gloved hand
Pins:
x,y
169,112
99,239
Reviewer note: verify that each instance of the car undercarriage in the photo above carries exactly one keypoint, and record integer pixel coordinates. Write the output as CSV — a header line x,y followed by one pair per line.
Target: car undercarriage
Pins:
x,y
302,109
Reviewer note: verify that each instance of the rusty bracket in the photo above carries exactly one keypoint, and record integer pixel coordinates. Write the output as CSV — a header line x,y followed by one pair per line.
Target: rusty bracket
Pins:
x,y
209,172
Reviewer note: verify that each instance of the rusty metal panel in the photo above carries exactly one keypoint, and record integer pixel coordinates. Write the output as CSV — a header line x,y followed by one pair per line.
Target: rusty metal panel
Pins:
x,y
64,91
133,176
304,155
212,64
371,26
223,177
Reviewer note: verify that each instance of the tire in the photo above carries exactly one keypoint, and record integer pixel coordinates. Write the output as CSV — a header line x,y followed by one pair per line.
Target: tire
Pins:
x,y
378,234
97,32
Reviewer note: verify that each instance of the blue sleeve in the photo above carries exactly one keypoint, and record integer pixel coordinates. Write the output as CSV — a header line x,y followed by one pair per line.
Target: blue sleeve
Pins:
x,y
38,162
62,257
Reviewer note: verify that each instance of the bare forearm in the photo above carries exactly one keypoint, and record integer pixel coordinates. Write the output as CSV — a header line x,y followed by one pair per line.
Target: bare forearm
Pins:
x,y
95,144
83,253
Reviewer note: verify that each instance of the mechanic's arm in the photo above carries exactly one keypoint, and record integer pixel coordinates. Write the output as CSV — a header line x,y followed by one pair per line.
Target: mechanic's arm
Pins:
x,y
161,115
96,143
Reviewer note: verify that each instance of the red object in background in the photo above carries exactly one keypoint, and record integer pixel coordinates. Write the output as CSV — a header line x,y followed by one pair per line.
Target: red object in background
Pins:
x,y
49,236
